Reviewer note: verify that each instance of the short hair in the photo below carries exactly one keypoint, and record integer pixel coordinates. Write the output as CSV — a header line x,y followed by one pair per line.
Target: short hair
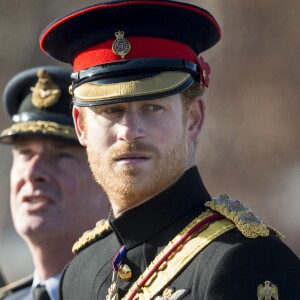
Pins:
x,y
191,94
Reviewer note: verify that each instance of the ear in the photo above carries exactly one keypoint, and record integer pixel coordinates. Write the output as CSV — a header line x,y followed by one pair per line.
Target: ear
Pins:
x,y
79,125
195,118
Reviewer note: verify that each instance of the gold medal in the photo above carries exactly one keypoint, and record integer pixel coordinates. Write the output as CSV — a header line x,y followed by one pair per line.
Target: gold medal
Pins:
x,y
124,272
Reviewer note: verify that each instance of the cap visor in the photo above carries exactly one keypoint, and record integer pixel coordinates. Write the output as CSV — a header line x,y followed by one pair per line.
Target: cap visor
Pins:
x,y
157,86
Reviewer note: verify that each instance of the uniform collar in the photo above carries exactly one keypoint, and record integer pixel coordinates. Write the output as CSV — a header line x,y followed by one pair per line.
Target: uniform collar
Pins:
x,y
51,284
138,225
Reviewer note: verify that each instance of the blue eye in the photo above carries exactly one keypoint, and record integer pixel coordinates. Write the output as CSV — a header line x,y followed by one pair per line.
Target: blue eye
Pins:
x,y
114,110
153,107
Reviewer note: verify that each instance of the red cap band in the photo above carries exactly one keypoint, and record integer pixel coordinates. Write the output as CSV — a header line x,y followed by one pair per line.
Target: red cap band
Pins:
x,y
141,47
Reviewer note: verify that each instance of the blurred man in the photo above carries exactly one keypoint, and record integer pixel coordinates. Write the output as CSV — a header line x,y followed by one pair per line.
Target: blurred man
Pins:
x,y
138,82
2,281
54,197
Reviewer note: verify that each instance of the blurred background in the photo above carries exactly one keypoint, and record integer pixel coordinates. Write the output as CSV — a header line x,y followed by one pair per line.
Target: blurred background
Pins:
x,y
249,146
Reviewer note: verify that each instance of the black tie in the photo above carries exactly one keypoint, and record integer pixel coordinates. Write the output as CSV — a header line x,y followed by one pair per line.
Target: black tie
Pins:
x,y
40,293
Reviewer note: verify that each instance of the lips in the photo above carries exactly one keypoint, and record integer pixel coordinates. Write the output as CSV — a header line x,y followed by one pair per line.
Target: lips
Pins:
x,y
35,203
36,199
131,156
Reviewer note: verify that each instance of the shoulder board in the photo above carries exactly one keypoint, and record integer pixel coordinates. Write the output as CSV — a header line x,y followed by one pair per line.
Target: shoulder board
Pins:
x,y
101,230
15,286
250,225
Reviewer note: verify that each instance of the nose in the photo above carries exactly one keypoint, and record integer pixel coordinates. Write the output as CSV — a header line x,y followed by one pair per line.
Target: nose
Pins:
x,y
37,170
130,128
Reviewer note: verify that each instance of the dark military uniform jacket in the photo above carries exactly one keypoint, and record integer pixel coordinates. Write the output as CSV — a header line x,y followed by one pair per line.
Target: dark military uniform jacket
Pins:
x,y
231,266
2,281
19,290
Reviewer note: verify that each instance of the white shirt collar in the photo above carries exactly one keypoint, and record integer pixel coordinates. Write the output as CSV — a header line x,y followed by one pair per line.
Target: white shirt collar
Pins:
x,y
52,285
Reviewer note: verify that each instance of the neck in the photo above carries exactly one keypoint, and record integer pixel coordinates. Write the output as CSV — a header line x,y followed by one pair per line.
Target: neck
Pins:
x,y
49,258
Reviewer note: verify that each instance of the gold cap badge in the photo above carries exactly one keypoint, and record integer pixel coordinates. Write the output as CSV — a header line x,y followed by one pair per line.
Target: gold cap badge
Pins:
x,y
45,93
121,46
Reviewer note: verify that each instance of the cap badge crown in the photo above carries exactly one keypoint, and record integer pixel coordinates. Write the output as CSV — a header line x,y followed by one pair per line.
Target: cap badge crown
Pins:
x,y
121,46
45,93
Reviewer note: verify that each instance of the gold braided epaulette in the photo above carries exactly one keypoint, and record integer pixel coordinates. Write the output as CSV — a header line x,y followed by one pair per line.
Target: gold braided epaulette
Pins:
x,y
102,229
250,225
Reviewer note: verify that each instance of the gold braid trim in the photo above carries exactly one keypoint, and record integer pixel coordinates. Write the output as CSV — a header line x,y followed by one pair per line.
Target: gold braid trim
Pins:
x,y
181,256
162,82
44,127
15,286
90,236
250,225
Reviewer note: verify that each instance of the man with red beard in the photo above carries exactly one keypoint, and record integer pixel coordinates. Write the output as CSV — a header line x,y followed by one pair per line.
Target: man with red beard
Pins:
x,y
138,82
54,198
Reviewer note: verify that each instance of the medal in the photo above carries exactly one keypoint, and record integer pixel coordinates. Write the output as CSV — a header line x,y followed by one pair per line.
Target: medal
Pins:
x,y
116,263
113,289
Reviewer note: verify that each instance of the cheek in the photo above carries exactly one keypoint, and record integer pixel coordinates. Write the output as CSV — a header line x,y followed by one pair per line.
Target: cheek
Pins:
x,y
99,134
75,194
16,179
15,187
168,134
68,182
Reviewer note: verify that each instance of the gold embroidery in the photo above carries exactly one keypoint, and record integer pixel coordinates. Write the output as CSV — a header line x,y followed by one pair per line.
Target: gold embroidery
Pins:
x,y
45,93
160,83
112,292
43,127
171,294
267,291
245,220
190,249
277,233
167,293
89,236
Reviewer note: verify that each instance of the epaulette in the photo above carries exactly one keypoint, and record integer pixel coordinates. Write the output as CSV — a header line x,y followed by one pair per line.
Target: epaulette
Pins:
x,y
250,225
15,286
101,230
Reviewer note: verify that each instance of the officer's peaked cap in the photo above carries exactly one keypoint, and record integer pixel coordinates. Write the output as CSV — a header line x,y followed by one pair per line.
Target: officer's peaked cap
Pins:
x,y
132,50
39,104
